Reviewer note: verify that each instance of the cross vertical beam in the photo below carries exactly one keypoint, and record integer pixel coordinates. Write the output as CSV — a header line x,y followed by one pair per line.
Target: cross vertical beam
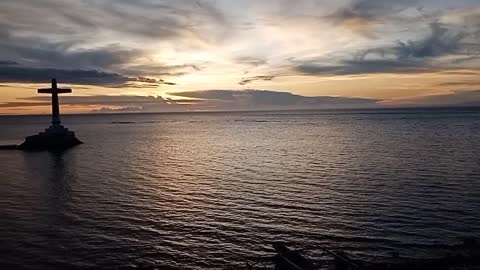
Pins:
x,y
55,104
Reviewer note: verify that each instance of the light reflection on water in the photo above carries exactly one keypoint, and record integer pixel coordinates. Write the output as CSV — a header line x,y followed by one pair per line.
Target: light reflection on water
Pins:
x,y
210,190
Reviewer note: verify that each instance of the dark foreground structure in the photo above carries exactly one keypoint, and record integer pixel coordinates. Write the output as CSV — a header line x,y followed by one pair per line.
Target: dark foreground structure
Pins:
x,y
56,137
465,256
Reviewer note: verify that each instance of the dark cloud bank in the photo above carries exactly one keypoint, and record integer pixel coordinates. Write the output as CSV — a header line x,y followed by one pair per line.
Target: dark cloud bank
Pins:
x,y
241,100
13,72
214,100
263,99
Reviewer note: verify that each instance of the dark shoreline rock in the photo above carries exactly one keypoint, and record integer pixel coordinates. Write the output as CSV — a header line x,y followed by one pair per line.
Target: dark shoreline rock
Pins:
x,y
123,122
464,256
9,147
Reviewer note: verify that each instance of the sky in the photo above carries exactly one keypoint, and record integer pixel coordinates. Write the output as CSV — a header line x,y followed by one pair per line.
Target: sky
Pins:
x,y
178,55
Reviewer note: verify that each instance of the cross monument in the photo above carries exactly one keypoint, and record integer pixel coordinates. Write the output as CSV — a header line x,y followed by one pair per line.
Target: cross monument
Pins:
x,y
56,137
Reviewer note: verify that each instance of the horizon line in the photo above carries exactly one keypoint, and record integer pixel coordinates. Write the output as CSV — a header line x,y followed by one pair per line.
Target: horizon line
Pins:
x,y
260,110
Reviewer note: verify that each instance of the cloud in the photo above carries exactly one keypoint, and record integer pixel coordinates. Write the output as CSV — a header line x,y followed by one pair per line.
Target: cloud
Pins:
x,y
355,67
142,19
461,83
160,70
440,42
147,43
17,74
151,81
39,52
250,61
8,63
360,14
239,100
45,60
20,74
39,60
107,103
455,98
266,99
85,35
16,104
214,100
426,54
121,100
122,109
248,80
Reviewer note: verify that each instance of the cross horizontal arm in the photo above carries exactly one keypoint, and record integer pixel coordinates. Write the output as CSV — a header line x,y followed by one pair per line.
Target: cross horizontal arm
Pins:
x,y
52,90
45,91
64,90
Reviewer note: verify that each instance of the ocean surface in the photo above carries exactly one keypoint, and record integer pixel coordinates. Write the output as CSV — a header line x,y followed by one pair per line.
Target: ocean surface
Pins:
x,y
215,190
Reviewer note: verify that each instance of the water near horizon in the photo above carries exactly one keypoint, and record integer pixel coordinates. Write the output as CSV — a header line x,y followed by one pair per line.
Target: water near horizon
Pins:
x,y
213,190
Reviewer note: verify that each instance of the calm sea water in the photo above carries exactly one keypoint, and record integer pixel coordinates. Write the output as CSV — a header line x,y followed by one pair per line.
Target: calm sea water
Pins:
x,y
212,190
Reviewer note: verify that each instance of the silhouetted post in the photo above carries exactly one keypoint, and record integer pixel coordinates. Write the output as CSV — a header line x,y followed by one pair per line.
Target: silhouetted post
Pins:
x,y
55,105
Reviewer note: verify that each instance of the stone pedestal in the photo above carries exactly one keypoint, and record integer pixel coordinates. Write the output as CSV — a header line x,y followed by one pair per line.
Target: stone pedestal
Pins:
x,y
56,137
